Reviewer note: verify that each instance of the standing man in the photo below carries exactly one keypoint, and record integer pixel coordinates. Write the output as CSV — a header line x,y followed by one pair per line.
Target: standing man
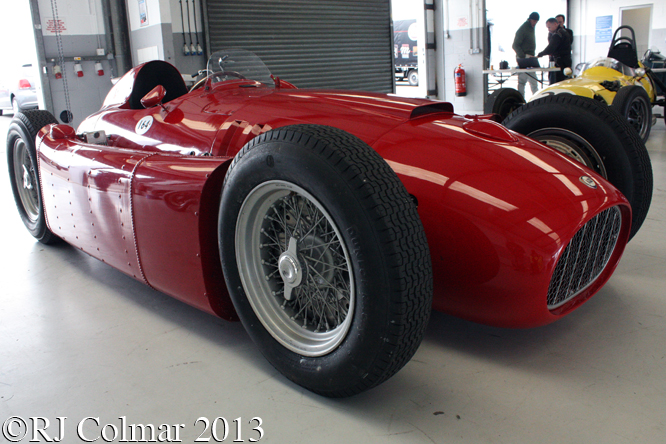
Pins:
x,y
560,21
524,43
559,46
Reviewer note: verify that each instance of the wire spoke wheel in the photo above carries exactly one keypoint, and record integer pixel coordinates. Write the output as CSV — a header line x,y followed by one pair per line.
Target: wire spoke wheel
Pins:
x,y
24,172
295,268
572,145
26,181
325,258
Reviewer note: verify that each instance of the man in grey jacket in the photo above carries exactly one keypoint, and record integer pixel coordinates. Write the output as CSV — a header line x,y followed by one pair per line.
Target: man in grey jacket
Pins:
x,y
524,43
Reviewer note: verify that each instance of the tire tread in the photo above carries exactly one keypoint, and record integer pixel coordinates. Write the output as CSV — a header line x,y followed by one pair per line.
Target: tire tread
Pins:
x,y
399,228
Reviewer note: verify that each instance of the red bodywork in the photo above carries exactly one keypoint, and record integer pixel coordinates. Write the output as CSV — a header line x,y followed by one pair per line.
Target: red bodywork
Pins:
x,y
498,208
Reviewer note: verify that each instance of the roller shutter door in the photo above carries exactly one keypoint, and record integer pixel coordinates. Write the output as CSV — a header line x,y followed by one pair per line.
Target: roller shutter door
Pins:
x,y
333,44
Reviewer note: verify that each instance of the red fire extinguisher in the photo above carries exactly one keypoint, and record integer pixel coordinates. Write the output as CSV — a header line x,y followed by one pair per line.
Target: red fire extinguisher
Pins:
x,y
459,76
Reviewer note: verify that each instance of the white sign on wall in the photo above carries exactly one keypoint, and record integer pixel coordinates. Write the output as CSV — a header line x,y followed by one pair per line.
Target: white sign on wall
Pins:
x,y
604,29
53,26
143,13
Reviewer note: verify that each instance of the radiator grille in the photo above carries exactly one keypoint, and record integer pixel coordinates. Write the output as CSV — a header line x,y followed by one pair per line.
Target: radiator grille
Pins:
x,y
585,257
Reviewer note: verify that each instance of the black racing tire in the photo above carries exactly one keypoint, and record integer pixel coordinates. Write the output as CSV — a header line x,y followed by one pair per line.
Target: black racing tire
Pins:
x,y
24,173
370,286
503,102
413,77
633,103
595,135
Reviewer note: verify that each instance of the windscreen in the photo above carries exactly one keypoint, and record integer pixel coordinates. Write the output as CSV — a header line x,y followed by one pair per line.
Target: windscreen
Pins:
x,y
235,64
611,63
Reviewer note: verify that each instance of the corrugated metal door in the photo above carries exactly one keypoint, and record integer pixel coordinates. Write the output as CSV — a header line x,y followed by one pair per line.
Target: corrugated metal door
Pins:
x,y
333,44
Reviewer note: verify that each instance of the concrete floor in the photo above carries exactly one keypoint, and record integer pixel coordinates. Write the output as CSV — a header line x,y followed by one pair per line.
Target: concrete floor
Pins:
x,y
79,339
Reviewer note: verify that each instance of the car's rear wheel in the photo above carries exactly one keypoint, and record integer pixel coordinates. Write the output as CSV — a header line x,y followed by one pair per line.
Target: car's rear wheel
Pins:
x,y
503,102
15,106
325,258
24,173
596,136
633,103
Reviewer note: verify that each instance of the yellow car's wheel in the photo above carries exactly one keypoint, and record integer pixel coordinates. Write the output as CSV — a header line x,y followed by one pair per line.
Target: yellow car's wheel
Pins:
x,y
595,135
633,103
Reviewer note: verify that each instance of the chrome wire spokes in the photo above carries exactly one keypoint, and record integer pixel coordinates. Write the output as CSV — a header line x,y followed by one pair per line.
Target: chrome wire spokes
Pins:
x,y
295,268
303,249
25,178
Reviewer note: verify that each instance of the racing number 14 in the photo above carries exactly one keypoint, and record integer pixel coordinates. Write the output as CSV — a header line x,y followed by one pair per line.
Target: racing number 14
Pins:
x,y
220,436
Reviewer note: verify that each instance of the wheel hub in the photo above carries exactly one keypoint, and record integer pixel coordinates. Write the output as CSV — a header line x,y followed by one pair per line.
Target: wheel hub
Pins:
x,y
290,268
27,180
572,145
294,268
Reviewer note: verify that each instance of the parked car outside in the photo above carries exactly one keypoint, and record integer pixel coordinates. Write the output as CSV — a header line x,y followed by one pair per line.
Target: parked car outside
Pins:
x,y
18,90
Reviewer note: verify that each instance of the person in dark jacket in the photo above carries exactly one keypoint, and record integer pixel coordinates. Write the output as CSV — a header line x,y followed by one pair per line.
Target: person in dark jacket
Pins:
x,y
560,21
559,46
524,43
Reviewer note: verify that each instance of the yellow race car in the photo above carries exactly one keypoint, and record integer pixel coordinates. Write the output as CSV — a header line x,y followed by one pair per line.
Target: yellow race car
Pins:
x,y
618,80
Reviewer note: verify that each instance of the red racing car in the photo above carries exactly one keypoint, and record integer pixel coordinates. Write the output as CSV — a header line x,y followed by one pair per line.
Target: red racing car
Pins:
x,y
329,222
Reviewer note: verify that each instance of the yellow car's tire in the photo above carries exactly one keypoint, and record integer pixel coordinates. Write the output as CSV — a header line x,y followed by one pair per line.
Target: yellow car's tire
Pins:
x,y
633,103
595,135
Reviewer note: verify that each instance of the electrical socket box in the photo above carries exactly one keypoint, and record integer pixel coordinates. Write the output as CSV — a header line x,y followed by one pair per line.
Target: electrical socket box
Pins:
x,y
100,51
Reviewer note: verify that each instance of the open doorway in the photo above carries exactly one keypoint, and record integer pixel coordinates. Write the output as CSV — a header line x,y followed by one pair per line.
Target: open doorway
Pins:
x,y
504,20
20,86
640,19
409,50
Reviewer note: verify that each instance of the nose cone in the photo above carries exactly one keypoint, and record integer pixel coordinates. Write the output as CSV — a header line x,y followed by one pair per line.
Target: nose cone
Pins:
x,y
498,210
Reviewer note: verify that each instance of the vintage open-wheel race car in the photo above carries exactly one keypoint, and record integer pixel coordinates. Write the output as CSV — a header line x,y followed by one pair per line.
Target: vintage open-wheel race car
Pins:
x,y
329,222
619,80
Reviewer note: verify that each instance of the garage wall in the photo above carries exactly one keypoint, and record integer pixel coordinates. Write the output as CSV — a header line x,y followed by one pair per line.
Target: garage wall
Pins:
x,y
150,30
340,44
463,42
160,35
187,64
82,31
585,48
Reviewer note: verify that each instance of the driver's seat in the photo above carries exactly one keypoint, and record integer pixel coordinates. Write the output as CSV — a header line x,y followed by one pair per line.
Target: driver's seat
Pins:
x,y
623,49
157,72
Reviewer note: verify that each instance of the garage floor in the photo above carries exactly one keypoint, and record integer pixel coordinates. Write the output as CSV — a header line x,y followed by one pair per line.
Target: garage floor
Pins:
x,y
79,339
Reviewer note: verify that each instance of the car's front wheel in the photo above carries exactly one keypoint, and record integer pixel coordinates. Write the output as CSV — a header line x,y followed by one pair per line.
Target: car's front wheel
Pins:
x,y
325,258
